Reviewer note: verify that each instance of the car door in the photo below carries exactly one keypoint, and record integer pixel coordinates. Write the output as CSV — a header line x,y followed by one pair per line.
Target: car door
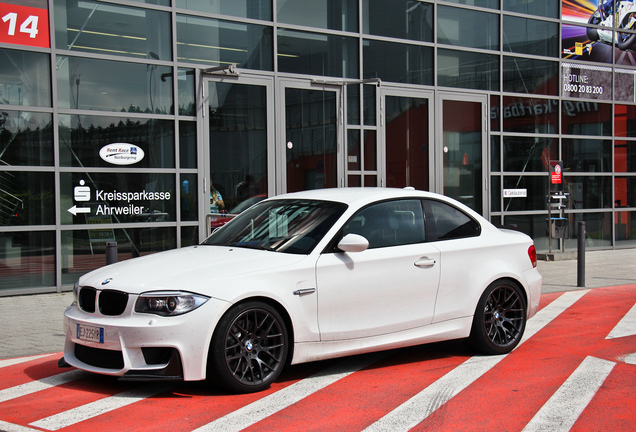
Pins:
x,y
387,288
465,254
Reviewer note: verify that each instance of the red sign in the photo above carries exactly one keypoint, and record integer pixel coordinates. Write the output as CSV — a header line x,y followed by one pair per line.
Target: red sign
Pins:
x,y
23,25
556,174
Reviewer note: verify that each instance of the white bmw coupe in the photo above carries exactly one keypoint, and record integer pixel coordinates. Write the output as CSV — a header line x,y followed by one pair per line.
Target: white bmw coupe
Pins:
x,y
303,277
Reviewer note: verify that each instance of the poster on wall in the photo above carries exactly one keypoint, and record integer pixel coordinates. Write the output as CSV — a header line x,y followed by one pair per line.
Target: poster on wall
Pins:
x,y
625,85
599,44
605,44
586,82
24,25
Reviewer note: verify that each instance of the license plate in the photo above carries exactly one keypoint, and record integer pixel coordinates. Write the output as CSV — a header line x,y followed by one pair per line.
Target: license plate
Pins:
x,y
90,333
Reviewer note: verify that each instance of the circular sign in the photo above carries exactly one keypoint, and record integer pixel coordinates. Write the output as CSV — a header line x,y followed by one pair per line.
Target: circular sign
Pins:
x,y
121,154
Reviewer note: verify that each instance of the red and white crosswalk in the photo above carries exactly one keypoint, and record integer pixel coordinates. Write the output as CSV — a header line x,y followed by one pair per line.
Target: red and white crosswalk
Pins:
x,y
575,370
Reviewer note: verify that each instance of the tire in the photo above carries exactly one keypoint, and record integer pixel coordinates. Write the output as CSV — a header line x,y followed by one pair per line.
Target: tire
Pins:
x,y
592,33
249,348
500,319
626,40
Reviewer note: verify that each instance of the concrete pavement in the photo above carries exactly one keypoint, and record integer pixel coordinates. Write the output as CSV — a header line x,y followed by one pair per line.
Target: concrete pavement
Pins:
x,y
32,324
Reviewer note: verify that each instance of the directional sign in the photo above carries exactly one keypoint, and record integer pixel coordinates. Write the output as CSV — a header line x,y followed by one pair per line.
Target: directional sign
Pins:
x,y
77,210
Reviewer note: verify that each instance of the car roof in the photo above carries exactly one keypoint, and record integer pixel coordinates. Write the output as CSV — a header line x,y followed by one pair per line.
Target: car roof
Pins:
x,y
358,195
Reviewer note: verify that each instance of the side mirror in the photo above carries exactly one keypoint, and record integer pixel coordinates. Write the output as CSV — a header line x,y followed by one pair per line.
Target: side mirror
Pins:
x,y
353,243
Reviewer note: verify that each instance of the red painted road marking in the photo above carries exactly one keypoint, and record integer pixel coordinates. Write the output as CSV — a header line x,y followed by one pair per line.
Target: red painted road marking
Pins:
x,y
566,405
31,370
530,375
426,404
514,392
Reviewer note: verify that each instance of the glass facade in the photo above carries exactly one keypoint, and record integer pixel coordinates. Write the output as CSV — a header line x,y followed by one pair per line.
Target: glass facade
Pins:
x,y
146,117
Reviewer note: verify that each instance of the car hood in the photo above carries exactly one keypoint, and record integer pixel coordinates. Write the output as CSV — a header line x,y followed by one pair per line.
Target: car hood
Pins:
x,y
196,268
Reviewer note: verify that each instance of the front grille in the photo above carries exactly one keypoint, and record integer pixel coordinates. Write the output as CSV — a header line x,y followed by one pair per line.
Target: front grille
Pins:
x,y
112,303
97,357
87,298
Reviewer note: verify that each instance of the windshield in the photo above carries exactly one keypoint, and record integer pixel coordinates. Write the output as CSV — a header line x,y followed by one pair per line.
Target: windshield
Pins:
x,y
291,226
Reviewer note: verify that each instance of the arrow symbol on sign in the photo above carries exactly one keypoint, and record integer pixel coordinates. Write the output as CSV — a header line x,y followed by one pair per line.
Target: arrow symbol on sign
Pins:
x,y
75,210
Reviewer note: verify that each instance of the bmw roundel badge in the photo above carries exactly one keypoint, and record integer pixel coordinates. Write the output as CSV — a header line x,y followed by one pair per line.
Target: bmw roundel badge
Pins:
x,y
107,281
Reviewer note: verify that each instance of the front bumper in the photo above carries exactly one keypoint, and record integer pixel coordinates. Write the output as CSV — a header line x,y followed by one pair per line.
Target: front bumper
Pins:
x,y
144,346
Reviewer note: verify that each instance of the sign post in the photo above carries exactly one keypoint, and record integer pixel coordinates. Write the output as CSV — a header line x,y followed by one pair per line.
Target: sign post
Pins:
x,y
557,226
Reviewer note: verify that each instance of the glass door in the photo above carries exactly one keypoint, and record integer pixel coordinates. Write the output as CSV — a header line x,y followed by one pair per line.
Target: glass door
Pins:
x,y
462,135
406,138
238,118
309,144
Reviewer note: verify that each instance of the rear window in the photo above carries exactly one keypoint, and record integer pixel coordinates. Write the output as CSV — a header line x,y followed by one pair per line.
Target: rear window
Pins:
x,y
445,222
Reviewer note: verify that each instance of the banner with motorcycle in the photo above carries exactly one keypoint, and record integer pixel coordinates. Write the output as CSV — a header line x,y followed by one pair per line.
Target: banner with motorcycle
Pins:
x,y
601,31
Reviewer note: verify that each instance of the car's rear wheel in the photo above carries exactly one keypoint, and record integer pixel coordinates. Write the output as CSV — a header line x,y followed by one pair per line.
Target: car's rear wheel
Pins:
x,y
500,319
249,348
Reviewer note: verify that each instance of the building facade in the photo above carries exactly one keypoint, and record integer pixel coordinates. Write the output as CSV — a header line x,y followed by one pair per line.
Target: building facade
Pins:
x,y
131,121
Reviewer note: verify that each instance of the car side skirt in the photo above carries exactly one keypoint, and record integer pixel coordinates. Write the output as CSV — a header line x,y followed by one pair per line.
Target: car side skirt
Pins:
x,y
452,329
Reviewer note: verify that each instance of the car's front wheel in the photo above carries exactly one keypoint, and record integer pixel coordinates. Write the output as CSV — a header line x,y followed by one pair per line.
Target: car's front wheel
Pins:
x,y
249,348
500,319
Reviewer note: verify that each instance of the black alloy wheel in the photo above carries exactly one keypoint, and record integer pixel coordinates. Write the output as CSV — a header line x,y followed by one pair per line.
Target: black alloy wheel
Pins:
x,y
500,319
249,348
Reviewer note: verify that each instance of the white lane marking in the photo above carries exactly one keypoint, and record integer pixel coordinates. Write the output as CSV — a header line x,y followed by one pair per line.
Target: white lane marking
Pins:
x,y
565,406
15,361
10,427
41,384
262,408
629,358
410,413
102,406
626,326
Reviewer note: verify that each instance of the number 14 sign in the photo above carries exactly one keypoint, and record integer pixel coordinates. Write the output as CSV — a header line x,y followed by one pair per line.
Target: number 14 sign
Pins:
x,y
23,25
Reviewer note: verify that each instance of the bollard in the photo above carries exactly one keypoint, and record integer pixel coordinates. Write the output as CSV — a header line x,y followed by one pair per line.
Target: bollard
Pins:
x,y
111,252
580,255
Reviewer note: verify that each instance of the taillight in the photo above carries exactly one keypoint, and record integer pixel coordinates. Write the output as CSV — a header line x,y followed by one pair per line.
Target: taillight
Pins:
x,y
532,253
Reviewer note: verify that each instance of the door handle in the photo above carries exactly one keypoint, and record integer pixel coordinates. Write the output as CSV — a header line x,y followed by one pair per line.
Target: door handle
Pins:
x,y
425,262
301,292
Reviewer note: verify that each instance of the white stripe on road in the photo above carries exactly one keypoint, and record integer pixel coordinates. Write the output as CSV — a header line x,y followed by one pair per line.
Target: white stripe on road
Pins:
x,y
15,361
102,406
626,326
262,408
566,405
10,427
41,384
410,413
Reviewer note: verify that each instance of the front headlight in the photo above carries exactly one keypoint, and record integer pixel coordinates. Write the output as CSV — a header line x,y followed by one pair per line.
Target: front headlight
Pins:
x,y
169,303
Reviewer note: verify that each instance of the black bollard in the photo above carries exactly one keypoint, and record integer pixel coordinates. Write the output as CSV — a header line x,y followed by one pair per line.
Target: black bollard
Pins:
x,y
111,252
580,255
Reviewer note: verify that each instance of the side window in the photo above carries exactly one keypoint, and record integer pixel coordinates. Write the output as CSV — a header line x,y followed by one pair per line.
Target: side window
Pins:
x,y
390,223
445,222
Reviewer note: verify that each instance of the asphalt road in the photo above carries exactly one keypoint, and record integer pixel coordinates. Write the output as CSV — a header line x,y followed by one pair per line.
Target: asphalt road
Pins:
x,y
574,370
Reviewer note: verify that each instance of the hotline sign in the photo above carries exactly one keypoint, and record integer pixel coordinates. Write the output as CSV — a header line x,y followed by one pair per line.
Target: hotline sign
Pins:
x,y
23,25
